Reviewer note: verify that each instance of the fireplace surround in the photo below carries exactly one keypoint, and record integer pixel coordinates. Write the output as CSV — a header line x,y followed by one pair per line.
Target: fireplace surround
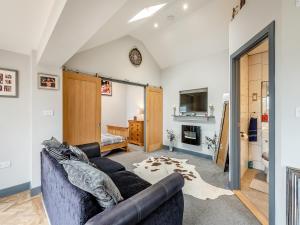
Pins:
x,y
191,135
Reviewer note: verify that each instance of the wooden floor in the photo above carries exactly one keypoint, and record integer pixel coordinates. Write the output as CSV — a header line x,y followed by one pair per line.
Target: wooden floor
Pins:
x,y
22,209
259,199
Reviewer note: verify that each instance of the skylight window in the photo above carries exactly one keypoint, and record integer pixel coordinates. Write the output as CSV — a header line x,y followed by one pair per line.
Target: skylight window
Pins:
x,y
146,12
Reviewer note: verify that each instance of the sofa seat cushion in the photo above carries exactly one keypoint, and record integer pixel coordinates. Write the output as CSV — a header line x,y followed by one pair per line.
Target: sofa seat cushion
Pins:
x,y
107,165
128,183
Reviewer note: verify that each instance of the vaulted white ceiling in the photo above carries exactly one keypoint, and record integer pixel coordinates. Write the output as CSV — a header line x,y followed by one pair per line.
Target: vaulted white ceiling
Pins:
x,y
58,29
22,23
182,35
78,22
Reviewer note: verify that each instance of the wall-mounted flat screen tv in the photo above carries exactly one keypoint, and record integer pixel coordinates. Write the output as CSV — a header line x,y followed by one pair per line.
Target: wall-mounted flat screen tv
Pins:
x,y
194,101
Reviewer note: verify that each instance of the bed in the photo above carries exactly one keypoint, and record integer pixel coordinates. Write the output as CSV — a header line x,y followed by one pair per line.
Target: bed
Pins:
x,y
115,138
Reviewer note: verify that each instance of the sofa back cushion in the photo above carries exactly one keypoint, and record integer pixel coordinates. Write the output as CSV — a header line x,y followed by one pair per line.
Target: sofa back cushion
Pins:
x,y
93,181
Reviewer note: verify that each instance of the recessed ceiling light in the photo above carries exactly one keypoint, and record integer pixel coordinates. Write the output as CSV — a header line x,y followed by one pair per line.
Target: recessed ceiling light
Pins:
x,y
146,12
155,25
185,6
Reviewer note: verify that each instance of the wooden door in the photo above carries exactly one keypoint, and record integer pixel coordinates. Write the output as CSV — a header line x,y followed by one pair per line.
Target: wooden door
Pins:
x,y
244,113
154,118
81,108
224,137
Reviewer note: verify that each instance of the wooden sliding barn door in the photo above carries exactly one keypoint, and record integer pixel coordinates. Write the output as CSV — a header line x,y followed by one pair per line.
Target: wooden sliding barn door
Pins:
x,y
154,118
81,108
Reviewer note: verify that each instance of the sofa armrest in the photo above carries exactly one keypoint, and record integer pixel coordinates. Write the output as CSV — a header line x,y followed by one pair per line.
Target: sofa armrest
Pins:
x,y
92,150
141,205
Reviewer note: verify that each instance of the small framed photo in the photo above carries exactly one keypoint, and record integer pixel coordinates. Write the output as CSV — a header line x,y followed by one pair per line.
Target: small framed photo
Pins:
x,y
106,87
8,83
47,81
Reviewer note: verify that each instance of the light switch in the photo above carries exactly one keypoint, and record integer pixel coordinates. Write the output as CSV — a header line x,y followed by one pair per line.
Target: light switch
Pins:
x,y
48,113
297,3
4,165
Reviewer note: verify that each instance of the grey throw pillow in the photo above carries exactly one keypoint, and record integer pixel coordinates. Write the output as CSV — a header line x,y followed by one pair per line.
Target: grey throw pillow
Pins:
x,y
52,143
81,155
56,149
93,181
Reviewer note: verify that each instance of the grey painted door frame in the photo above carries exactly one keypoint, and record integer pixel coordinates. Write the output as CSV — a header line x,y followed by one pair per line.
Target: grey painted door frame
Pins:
x,y
234,151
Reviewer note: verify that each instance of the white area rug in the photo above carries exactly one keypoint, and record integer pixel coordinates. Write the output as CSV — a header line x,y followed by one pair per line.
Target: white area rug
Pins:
x,y
154,169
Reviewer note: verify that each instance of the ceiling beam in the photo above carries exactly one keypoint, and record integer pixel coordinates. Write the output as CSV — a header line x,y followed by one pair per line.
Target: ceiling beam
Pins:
x,y
77,23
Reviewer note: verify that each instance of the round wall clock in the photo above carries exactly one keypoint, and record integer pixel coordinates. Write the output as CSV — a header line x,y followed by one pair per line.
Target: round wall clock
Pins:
x,y
135,57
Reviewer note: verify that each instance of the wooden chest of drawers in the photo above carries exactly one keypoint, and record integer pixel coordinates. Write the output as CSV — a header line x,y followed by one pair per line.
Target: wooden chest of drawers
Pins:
x,y
136,132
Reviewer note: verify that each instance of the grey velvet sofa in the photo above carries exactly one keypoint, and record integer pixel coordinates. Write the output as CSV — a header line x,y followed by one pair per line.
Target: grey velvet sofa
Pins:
x,y
143,204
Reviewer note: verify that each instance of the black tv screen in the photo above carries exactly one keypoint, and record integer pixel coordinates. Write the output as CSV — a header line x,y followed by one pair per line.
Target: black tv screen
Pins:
x,y
193,101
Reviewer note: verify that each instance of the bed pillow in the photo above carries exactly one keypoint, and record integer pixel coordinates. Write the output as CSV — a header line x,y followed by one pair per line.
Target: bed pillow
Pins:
x,y
93,181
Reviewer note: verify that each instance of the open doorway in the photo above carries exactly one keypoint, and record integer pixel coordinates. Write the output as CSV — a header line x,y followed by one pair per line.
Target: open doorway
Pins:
x,y
254,127
122,116
252,148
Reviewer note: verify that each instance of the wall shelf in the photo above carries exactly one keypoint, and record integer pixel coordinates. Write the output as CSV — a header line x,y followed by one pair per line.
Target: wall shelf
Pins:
x,y
194,119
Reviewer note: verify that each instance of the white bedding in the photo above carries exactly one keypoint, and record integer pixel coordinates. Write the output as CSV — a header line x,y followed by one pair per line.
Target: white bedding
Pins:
x,y
108,139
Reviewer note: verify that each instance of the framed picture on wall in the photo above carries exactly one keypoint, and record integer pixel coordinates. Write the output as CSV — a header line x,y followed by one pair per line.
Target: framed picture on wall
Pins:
x,y
47,81
8,83
106,87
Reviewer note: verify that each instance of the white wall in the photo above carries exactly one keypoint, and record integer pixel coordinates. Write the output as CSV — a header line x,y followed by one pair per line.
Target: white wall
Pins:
x,y
114,108
252,19
211,72
255,16
111,60
135,101
44,127
289,83
23,126
15,123
122,106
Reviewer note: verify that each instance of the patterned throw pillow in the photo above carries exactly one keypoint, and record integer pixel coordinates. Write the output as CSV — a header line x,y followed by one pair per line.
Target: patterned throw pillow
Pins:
x,y
81,155
93,181
52,143
56,149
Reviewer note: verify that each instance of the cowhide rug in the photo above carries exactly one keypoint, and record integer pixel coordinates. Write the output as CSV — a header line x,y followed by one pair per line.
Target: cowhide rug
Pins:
x,y
154,169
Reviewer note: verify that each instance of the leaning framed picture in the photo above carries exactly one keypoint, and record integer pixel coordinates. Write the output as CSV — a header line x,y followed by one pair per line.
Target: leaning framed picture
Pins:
x,y
8,83
106,87
47,81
